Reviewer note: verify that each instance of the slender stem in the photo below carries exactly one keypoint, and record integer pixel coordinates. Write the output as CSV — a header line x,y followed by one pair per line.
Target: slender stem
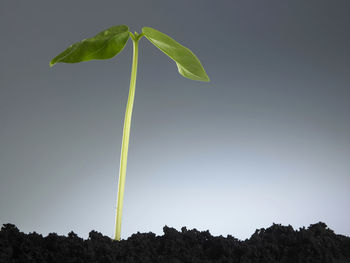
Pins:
x,y
126,135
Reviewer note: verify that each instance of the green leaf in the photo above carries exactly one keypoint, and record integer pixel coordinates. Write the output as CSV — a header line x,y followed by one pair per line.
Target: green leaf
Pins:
x,y
187,63
104,45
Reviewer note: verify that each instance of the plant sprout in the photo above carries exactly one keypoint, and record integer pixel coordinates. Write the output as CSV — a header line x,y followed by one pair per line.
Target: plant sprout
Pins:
x,y
109,43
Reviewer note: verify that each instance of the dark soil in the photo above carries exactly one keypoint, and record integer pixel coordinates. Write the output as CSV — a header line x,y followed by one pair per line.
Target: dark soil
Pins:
x,y
277,243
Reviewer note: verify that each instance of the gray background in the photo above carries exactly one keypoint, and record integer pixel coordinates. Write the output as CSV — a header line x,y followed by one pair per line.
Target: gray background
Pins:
x,y
267,140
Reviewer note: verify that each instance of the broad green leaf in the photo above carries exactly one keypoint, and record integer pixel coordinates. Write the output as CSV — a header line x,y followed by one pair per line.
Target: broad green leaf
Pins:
x,y
104,45
187,63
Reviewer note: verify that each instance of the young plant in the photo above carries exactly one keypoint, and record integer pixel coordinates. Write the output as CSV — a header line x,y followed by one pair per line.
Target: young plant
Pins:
x,y
108,44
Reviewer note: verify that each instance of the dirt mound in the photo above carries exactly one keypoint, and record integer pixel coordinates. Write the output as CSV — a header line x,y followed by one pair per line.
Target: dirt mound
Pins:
x,y
277,243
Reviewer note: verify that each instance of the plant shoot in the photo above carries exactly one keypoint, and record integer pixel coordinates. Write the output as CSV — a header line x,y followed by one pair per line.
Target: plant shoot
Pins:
x,y
109,43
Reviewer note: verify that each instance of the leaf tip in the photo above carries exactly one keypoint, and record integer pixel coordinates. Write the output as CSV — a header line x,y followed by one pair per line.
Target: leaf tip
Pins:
x,y
52,63
206,79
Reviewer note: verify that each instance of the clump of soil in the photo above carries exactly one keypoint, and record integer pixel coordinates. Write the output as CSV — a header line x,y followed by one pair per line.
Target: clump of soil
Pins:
x,y
277,243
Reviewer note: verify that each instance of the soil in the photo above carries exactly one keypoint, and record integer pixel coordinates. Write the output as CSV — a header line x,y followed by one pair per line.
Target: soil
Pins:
x,y
277,243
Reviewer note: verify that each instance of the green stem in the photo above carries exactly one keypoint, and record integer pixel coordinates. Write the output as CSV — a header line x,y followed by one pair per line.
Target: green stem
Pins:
x,y
126,135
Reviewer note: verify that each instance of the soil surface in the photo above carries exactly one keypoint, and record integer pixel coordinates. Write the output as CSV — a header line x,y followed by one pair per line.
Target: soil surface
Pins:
x,y
277,243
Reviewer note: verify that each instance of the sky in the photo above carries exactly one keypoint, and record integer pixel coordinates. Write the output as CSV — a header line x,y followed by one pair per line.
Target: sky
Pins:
x,y
267,140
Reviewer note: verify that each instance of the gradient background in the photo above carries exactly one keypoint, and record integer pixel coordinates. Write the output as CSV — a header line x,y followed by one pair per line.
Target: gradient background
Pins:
x,y
267,140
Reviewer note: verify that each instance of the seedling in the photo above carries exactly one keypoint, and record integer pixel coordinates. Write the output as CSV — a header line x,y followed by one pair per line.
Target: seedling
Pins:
x,y
109,43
